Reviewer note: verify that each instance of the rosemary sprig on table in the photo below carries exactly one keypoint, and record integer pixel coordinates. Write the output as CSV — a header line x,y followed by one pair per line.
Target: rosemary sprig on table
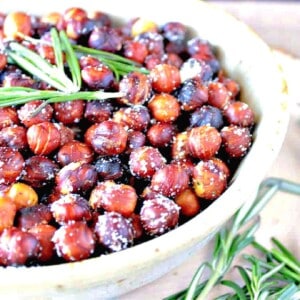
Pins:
x,y
66,89
274,277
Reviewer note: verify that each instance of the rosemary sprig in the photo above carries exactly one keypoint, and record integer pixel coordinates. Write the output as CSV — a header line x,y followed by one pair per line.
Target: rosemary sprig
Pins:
x,y
55,75
275,277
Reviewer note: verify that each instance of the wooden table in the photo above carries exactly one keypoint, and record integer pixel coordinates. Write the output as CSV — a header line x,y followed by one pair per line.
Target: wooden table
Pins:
x,y
278,24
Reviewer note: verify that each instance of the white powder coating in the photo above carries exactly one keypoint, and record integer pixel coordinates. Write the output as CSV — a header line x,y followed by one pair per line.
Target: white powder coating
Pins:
x,y
190,69
159,215
114,231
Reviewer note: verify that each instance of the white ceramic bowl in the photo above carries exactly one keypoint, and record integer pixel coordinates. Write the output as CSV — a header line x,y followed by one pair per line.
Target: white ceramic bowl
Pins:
x,y
248,60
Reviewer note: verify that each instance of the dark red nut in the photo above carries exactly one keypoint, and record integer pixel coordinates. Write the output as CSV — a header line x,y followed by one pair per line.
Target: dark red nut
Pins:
x,y
75,151
98,111
44,234
69,112
204,142
164,107
8,211
188,202
207,115
136,117
186,163
46,52
16,23
39,171
66,133
109,168
13,137
74,13
231,85
85,61
76,177
74,21
17,79
71,207
8,117
179,148
236,140
153,41
43,138
136,88
172,59
174,31
28,116
135,140
99,77
17,247
135,50
170,180
198,45
192,94
161,134
165,78
30,216
221,165
74,241
144,161
218,95
152,60
120,198
99,18
193,68
105,38
114,231
159,215
209,179
12,163
178,48
239,113
107,138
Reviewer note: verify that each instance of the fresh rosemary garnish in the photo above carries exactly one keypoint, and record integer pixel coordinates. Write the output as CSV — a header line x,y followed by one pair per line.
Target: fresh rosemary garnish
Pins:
x,y
55,75
275,276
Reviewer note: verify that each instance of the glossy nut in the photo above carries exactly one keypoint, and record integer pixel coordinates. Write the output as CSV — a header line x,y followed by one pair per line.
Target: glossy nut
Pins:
x,y
74,241
188,202
8,117
43,138
12,163
8,211
107,138
13,137
15,23
161,134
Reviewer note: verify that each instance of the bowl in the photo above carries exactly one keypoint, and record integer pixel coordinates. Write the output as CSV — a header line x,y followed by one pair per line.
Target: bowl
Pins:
x,y
248,60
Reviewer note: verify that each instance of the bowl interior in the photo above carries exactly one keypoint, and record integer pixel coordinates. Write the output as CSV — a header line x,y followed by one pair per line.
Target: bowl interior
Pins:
x,y
262,86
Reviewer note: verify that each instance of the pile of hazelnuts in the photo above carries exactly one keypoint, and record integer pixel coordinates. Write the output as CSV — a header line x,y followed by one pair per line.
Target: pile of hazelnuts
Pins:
x,y
81,179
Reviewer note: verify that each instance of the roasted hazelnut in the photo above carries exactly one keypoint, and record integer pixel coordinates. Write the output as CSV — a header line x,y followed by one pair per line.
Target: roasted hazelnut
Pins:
x,y
39,171
179,148
98,111
114,231
67,134
8,117
43,138
209,179
136,117
71,207
164,107
218,95
75,151
17,247
188,202
12,163
109,168
69,112
170,180
136,88
236,140
204,142
193,68
44,234
30,216
239,113
165,78
144,161
153,41
76,177
158,215
16,23
135,50
74,241
161,134
107,138
174,31
13,137
207,115
135,140
110,196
